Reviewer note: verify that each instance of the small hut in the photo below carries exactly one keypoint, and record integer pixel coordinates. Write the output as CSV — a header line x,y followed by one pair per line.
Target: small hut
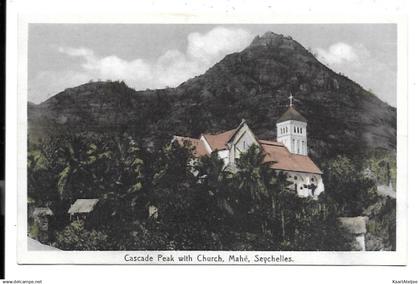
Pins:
x,y
356,228
81,208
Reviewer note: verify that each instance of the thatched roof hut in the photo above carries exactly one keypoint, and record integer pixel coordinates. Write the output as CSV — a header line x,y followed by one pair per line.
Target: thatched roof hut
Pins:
x,y
81,206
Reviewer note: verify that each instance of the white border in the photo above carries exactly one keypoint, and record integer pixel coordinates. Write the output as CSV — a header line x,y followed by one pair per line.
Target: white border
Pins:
x,y
398,257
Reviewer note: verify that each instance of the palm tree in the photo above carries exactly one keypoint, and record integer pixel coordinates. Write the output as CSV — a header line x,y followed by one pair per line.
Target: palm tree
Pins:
x,y
76,179
251,191
251,169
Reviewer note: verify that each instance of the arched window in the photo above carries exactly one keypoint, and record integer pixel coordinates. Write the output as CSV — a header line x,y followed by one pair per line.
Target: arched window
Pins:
x,y
294,129
314,180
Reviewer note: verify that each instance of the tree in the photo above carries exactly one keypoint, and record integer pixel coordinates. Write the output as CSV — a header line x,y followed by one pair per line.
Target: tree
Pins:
x,y
41,179
215,180
351,190
76,237
176,197
215,201
257,191
202,204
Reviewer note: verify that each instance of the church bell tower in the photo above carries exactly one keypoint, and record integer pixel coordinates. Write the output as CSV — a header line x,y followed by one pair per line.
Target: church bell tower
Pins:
x,y
291,130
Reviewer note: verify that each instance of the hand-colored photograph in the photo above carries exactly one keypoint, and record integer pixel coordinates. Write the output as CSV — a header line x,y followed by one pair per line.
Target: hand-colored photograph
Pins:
x,y
208,137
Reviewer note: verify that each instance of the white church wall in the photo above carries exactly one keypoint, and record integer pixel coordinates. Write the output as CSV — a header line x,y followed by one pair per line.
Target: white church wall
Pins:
x,y
320,187
243,139
224,155
301,184
293,135
243,143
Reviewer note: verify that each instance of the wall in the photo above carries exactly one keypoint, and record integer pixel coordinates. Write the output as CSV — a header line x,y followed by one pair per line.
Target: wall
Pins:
x,y
302,181
360,240
243,139
224,155
300,139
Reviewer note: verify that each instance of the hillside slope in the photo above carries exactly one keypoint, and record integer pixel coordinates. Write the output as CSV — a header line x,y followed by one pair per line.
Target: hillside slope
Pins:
x,y
253,84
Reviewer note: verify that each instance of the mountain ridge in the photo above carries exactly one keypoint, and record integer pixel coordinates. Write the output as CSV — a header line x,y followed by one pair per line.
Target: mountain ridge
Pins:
x,y
252,84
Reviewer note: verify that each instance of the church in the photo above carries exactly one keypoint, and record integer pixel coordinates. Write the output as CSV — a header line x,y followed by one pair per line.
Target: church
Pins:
x,y
288,154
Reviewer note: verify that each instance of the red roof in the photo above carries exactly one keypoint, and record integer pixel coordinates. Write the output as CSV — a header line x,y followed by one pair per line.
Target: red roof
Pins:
x,y
199,148
219,141
273,143
284,160
275,152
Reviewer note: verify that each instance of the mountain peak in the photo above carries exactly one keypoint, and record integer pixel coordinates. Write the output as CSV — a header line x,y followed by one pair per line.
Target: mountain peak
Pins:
x,y
250,84
272,39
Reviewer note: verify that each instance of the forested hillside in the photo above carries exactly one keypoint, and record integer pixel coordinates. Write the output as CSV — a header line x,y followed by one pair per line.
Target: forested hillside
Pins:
x,y
253,84
105,140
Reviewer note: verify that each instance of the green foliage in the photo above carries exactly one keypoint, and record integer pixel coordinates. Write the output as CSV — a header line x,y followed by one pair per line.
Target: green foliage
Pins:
x,y
33,230
382,165
76,237
348,186
251,171
382,225
202,204
104,140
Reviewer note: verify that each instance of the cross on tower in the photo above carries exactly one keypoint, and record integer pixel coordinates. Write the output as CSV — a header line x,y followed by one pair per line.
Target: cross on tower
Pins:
x,y
291,100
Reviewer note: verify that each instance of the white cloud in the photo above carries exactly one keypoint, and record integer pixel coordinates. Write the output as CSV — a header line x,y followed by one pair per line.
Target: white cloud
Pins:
x,y
338,53
109,67
216,43
359,64
170,69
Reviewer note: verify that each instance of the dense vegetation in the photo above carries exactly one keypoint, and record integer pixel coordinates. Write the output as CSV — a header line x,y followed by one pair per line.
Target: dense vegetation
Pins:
x,y
105,140
201,205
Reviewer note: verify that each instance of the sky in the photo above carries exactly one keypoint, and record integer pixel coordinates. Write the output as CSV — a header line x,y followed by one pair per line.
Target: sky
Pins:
x,y
149,56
